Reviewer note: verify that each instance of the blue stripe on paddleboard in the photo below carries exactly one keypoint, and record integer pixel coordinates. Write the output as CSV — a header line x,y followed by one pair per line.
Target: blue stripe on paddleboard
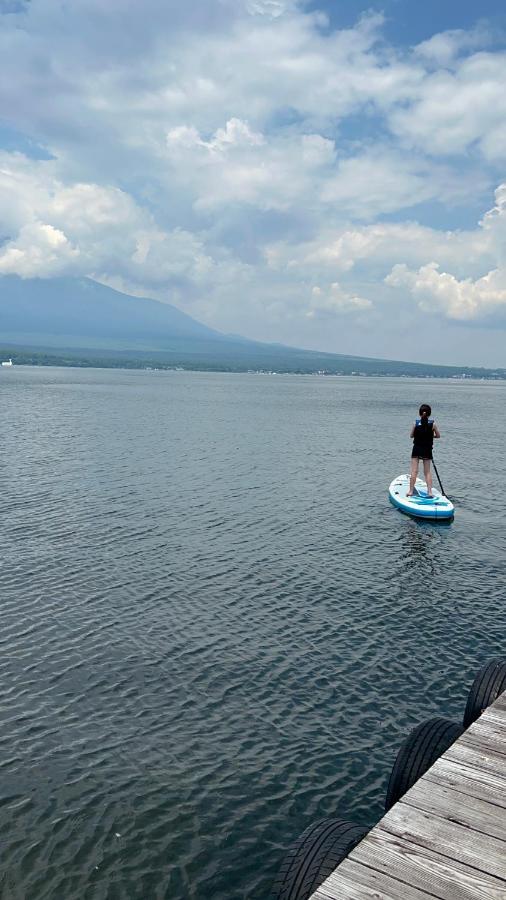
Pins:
x,y
421,512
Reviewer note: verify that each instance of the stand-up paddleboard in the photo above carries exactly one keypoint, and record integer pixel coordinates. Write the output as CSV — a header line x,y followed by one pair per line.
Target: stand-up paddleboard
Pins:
x,y
420,504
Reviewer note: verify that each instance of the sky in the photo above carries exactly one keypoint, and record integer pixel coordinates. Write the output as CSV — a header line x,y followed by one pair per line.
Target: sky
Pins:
x,y
325,175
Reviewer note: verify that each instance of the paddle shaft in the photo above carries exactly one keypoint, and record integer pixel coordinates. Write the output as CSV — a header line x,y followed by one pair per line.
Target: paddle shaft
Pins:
x,y
438,478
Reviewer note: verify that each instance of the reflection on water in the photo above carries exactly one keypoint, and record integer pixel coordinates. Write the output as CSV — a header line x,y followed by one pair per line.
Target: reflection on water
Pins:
x,y
420,550
215,627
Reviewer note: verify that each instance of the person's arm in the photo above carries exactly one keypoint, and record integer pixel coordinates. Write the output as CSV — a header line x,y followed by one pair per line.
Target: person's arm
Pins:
x,y
412,432
435,430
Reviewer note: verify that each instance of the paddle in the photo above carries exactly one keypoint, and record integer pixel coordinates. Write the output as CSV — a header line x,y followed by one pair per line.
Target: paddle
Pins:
x,y
438,478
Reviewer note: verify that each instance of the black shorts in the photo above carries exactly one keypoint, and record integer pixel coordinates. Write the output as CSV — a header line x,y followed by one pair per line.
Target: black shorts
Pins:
x,y
421,453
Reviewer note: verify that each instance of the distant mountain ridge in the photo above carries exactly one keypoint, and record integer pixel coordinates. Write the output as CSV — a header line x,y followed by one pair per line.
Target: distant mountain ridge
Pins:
x,y
76,321
81,309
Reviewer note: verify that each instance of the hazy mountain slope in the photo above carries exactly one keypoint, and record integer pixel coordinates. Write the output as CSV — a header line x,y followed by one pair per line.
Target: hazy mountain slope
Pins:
x,y
78,309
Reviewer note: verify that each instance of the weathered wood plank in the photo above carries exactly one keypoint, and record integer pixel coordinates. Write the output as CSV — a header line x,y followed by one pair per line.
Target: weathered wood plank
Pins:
x,y
469,780
447,838
485,742
425,869
500,703
447,803
488,726
469,754
495,712
352,881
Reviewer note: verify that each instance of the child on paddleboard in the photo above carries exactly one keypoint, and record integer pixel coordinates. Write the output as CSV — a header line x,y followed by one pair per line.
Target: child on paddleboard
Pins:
x,y
423,433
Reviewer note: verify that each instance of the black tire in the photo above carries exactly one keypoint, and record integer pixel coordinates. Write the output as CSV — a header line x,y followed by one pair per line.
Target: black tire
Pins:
x,y
425,744
490,681
315,855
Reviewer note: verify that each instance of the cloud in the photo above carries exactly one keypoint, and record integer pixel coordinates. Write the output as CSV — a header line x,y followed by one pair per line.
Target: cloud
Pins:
x,y
460,300
256,166
169,65
240,166
272,8
99,231
443,49
494,225
453,110
379,246
235,134
464,299
381,180
293,170
39,250
334,300
96,221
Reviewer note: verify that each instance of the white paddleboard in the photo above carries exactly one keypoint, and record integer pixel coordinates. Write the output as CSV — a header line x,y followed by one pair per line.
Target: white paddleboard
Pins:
x,y
420,504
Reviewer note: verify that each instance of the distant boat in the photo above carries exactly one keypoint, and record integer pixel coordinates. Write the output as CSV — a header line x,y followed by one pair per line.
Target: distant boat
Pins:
x,y
7,362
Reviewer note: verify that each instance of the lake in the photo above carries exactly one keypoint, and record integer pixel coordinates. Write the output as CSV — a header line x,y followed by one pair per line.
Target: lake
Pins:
x,y
215,628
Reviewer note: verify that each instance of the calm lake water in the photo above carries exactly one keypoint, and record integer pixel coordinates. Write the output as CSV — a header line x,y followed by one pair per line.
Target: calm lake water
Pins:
x,y
215,628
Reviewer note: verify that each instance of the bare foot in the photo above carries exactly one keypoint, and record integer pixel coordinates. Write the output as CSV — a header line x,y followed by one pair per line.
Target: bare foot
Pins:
x,y
409,494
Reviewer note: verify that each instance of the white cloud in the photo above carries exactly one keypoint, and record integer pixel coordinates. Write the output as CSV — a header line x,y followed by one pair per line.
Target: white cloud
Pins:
x,y
88,229
442,49
191,73
494,225
235,134
273,8
239,165
231,157
440,291
381,180
39,250
334,300
452,110
464,299
382,245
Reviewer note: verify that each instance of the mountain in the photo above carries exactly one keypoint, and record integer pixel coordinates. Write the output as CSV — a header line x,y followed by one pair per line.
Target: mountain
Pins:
x,y
80,312
78,322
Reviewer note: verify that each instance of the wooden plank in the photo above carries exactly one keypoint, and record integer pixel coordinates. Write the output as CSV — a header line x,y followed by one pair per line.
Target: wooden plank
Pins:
x,y
450,839
494,720
500,703
425,869
469,754
353,881
485,742
494,712
469,780
488,725
445,802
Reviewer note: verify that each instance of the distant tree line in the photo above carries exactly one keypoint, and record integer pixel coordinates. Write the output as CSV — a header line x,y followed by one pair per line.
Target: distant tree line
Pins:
x,y
282,361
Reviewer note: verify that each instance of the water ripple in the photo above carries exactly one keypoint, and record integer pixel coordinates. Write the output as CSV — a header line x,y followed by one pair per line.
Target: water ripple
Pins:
x,y
215,629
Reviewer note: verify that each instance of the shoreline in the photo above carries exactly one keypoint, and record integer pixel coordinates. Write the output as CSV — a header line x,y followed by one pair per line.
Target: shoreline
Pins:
x,y
204,370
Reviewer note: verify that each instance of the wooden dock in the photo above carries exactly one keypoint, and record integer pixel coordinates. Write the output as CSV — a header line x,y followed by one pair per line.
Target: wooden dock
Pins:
x,y
446,837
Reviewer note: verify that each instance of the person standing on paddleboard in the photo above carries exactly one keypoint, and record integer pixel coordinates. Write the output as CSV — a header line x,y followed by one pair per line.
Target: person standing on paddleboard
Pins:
x,y
423,433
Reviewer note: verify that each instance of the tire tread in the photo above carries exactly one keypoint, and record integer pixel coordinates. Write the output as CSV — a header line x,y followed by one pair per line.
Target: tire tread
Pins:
x,y
314,856
489,683
423,746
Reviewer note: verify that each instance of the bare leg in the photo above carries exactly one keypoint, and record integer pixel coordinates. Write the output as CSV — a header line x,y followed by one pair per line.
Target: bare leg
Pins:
x,y
413,474
428,476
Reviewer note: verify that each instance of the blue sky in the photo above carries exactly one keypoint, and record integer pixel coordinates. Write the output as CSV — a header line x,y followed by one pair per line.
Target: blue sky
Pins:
x,y
408,22
331,176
